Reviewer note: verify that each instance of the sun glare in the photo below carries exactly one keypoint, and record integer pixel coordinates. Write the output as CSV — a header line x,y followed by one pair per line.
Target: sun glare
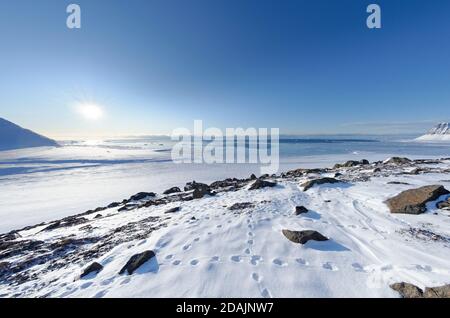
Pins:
x,y
90,111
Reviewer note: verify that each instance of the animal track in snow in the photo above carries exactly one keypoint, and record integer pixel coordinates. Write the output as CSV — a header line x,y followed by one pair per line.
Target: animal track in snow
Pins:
x,y
279,262
236,258
250,242
330,266
266,293
186,247
247,251
301,261
196,239
215,259
176,262
256,277
250,234
255,260
194,262
170,256
358,267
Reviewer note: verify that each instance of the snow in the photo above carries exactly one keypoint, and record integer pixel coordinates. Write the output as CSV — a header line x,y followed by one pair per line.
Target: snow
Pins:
x,y
48,183
440,132
244,254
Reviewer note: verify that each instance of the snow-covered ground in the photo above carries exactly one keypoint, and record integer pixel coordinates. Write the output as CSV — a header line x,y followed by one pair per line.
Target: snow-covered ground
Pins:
x,y
43,184
208,250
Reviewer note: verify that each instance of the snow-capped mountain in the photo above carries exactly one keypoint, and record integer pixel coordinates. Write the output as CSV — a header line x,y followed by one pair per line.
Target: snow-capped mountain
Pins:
x,y
13,136
440,132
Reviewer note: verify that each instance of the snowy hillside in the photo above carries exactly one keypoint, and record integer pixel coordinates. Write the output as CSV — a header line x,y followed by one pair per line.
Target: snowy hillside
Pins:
x,y
16,137
440,132
232,239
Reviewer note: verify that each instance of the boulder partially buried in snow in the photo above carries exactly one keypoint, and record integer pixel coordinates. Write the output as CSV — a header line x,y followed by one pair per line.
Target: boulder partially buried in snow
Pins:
x,y
309,184
414,201
136,261
303,237
259,184
407,290
300,210
93,268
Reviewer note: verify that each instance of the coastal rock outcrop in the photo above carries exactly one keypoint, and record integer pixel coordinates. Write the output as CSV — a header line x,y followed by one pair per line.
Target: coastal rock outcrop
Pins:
x,y
259,184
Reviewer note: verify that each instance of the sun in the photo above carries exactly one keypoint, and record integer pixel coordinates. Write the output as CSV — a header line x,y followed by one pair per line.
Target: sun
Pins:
x,y
90,111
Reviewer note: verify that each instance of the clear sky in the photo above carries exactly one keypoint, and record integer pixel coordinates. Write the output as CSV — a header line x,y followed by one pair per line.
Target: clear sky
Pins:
x,y
152,66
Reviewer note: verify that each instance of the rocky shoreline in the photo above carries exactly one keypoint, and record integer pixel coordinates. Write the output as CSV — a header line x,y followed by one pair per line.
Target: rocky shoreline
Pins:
x,y
76,240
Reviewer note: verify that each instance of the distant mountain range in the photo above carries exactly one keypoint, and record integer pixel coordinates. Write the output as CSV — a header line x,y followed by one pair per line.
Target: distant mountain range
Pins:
x,y
13,136
440,132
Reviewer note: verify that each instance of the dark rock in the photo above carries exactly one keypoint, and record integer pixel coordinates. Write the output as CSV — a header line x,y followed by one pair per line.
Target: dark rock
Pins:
x,y
113,205
397,182
414,201
136,261
93,268
98,216
241,206
173,210
11,236
351,163
300,210
201,192
397,161
253,177
193,218
376,170
195,185
141,195
172,190
407,290
437,292
303,236
416,171
259,184
309,184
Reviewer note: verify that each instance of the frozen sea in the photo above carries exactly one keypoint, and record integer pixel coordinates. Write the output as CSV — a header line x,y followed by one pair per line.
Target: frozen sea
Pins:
x,y
43,184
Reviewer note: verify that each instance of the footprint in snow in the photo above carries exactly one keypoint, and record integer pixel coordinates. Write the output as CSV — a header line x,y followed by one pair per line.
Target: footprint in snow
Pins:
x,y
219,226
86,285
125,281
215,259
101,294
196,239
194,262
247,251
250,242
170,256
255,260
176,263
301,261
425,268
330,266
250,234
256,277
358,267
279,262
107,281
186,247
266,293
236,258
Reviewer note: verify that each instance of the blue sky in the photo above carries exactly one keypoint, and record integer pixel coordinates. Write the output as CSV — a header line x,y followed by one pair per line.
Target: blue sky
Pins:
x,y
152,66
